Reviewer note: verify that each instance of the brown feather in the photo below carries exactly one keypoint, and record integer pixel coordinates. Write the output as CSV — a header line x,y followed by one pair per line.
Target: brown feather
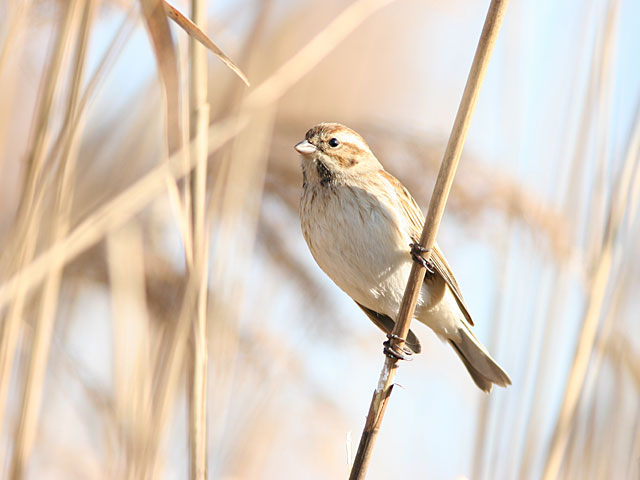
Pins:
x,y
413,213
386,324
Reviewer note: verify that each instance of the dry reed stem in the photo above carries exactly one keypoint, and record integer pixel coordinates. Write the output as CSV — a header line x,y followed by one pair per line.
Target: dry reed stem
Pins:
x,y
10,27
605,335
543,317
569,197
237,187
29,210
241,190
199,123
245,57
167,64
635,449
619,349
169,373
131,347
604,340
32,393
196,33
596,207
111,53
480,443
437,204
35,162
9,32
596,294
309,56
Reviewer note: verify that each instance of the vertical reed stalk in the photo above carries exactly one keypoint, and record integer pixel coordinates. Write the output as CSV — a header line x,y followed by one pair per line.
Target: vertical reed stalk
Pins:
x,y
569,196
199,124
484,412
437,204
34,382
620,203
28,217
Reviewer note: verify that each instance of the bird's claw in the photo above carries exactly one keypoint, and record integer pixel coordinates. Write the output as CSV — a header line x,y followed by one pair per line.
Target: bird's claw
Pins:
x,y
417,251
394,352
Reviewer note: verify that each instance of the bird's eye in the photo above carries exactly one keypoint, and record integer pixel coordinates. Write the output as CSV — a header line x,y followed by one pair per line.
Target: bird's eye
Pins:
x,y
334,142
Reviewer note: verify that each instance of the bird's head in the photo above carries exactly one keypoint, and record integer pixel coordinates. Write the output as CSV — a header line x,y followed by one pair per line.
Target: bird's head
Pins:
x,y
334,152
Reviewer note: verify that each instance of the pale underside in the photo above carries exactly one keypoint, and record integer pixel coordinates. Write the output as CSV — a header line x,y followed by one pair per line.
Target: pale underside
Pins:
x,y
361,241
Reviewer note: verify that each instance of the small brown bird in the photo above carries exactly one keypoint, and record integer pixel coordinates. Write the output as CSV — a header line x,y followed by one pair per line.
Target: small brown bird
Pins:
x,y
360,224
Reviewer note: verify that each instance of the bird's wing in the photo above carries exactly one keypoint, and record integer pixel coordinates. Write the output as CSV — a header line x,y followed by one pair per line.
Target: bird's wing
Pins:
x,y
408,206
386,324
442,268
415,218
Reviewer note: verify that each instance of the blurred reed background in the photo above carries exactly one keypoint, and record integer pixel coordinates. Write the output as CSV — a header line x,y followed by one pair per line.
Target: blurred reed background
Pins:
x,y
134,293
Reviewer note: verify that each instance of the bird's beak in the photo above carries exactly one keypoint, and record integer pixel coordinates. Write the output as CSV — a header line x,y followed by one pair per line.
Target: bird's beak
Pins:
x,y
305,148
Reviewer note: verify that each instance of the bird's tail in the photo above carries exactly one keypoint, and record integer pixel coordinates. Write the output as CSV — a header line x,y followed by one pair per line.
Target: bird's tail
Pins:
x,y
484,370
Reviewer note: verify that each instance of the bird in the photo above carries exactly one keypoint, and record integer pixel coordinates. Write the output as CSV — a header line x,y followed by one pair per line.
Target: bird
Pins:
x,y
362,227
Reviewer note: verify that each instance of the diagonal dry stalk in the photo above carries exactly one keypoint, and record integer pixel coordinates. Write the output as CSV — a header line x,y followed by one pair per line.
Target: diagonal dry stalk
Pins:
x,y
167,63
197,34
437,204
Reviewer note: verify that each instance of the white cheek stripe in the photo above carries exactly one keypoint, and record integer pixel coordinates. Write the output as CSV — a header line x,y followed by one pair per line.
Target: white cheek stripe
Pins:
x,y
349,137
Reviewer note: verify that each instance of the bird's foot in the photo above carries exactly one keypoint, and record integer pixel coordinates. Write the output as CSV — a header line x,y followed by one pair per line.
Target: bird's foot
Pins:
x,y
417,251
394,352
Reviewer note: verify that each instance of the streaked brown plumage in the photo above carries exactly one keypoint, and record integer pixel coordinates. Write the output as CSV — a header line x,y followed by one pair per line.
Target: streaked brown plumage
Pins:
x,y
358,221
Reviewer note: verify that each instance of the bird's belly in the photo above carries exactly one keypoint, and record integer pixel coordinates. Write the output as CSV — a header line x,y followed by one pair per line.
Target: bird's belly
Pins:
x,y
376,281
363,250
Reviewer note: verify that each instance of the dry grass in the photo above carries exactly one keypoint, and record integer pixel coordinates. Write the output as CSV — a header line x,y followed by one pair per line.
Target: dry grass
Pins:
x,y
152,263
